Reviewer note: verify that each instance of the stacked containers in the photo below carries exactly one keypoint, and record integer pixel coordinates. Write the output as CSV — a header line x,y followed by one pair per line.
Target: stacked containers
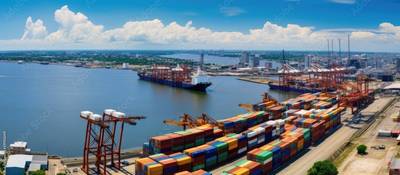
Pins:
x,y
178,141
276,112
304,122
198,155
242,122
266,105
146,149
274,148
317,131
285,147
322,105
244,167
263,157
222,150
289,113
232,146
208,132
218,133
169,165
184,161
160,144
198,172
147,166
242,143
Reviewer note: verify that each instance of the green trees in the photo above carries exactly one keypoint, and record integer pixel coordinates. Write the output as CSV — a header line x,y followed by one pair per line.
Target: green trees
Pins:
x,y
1,168
38,172
362,149
323,168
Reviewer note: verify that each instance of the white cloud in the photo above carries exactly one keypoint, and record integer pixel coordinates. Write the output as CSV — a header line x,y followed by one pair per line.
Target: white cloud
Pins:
x,y
75,27
231,11
344,1
34,30
76,31
362,35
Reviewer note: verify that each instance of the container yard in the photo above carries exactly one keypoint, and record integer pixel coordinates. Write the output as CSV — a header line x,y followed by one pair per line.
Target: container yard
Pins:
x,y
271,138
262,141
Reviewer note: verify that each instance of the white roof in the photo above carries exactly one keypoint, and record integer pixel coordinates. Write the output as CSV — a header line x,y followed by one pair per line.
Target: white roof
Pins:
x,y
19,144
40,159
34,167
18,160
395,164
2,152
395,85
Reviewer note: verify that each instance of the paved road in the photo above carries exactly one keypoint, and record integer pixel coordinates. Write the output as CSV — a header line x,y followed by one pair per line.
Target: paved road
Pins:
x,y
322,152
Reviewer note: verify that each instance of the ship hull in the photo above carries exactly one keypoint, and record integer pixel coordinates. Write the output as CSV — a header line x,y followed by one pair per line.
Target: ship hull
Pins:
x,y
290,88
196,87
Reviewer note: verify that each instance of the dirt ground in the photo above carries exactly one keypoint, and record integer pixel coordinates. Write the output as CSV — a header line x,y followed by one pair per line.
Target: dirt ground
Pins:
x,y
376,161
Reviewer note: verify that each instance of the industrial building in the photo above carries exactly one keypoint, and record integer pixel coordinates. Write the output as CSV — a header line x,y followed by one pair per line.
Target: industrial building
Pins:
x,y
256,61
18,164
19,147
244,59
394,167
201,62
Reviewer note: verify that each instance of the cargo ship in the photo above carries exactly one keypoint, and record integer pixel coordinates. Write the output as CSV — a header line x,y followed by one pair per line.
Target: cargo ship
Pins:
x,y
299,89
180,77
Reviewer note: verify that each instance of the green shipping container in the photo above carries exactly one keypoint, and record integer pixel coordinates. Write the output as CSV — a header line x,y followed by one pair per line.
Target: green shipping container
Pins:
x,y
198,167
222,157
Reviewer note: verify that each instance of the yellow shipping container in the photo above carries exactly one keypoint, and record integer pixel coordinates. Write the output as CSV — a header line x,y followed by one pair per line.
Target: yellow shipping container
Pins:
x,y
155,169
242,171
184,160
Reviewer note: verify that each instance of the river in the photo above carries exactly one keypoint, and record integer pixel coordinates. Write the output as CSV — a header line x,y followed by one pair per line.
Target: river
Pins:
x,y
40,104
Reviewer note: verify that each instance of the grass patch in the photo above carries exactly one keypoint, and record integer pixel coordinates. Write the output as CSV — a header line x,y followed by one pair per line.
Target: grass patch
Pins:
x,y
347,150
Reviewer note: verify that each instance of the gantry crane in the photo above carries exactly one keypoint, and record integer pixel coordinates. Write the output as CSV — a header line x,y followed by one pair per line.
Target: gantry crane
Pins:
x,y
254,107
186,121
104,138
356,94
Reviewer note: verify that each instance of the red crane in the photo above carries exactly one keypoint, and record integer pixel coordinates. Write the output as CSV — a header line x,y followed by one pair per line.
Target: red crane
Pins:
x,y
104,138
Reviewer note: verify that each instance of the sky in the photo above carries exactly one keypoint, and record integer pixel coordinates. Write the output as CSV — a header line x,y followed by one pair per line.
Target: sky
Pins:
x,y
373,25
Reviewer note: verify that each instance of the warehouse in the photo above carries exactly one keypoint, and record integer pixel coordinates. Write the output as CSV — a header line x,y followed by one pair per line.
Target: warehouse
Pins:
x,y
20,163
394,167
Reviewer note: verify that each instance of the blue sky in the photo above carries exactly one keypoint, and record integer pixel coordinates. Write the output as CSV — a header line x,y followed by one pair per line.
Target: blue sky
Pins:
x,y
219,16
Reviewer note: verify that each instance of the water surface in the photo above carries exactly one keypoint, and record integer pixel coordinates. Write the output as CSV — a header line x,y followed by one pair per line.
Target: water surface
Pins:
x,y
41,103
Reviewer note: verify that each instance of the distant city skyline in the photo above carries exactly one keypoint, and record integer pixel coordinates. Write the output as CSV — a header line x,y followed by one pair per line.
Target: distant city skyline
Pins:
x,y
176,24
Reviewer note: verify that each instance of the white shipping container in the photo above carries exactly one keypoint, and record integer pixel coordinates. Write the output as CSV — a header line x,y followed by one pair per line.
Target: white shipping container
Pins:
x,y
384,133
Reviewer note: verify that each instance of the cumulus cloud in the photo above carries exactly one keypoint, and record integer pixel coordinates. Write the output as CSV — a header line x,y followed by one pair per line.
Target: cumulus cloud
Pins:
x,y
75,27
34,30
76,30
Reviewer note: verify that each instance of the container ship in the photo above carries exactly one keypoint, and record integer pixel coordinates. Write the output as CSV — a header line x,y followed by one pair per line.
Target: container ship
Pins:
x,y
180,77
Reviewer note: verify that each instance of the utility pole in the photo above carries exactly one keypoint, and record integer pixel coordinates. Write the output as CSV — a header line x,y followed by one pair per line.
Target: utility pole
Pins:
x,y
283,56
332,52
329,48
348,46
340,48
4,140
